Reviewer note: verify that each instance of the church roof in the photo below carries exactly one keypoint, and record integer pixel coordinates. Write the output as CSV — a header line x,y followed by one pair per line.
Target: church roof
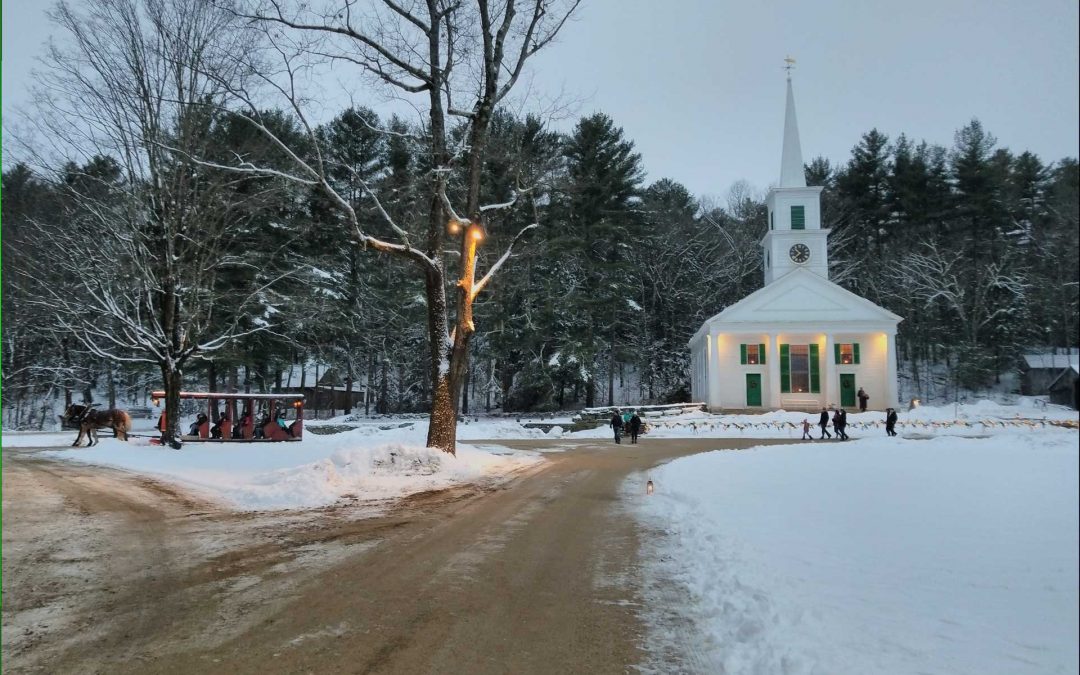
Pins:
x,y
802,297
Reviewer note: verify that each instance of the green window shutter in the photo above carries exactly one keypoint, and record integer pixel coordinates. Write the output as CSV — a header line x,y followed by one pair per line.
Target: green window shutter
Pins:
x,y
761,354
836,349
798,218
742,354
772,220
855,352
785,370
815,375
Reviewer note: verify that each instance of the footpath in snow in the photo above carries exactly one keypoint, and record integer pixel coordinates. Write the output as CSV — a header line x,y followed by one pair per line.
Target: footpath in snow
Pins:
x,y
880,555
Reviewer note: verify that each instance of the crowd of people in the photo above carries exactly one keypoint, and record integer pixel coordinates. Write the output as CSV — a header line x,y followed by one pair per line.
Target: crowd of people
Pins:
x,y
629,420
245,421
839,423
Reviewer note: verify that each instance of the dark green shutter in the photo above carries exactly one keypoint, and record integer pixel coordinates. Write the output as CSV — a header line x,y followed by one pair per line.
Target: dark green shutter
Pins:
x,y
836,348
798,218
772,220
855,352
761,354
815,377
785,370
742,354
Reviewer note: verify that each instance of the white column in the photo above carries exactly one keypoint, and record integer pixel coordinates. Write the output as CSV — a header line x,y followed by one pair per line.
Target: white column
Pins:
x,y
831,385
891,382
713,357
773,371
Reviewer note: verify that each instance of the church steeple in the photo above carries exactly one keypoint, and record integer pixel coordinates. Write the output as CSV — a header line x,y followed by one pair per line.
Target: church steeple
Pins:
x,y
795,239
791,164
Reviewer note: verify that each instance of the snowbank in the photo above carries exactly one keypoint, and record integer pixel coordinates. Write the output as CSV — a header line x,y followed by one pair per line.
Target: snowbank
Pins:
x,y
880,555
318,471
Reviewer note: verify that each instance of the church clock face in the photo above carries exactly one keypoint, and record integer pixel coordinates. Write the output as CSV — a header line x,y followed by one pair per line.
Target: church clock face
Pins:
x,y
799,253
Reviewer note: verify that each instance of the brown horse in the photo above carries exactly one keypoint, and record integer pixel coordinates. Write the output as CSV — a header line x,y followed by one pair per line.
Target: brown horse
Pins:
x,y
90,420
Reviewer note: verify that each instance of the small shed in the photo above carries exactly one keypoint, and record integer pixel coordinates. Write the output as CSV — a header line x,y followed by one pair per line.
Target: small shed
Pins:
x,y
1065,390
1038,371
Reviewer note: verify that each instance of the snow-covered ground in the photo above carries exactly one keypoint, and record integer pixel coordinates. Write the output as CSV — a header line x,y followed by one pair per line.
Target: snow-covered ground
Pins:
x,y
383,458
880,555
368,463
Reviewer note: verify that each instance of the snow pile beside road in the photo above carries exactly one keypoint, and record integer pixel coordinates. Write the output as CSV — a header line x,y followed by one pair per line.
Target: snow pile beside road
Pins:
x,y
318,471
881,555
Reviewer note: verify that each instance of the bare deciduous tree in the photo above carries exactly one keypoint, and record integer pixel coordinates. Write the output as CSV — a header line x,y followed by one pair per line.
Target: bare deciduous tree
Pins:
x,y
462,59
133,263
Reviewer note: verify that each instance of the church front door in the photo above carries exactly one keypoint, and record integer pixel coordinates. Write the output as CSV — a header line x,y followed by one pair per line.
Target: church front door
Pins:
x,y
753,389
847,390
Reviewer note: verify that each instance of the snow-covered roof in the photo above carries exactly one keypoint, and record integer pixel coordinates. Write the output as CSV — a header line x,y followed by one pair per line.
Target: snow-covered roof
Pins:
x,y
1066,375
801,298
1051,361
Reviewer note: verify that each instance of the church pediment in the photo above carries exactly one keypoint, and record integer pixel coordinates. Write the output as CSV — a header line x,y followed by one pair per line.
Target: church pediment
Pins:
x,y
802,296
798,299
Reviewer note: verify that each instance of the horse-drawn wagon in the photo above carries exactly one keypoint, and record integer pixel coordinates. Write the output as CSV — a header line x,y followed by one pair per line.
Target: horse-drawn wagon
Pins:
x,y
257,418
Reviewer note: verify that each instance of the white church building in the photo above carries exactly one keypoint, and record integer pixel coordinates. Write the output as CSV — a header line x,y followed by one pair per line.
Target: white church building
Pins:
x,y
801,342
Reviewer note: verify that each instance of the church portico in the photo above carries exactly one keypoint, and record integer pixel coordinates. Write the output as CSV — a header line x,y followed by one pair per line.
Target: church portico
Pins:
x,y
801,342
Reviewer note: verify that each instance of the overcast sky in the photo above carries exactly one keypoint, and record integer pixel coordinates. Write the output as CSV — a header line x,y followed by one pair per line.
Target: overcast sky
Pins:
x,y
698,85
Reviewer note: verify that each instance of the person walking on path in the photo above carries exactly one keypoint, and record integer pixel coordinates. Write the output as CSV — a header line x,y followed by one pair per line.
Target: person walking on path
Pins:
x,y
823,422
806,430
836,424
863,398
635,427
616,426
843,424
890,422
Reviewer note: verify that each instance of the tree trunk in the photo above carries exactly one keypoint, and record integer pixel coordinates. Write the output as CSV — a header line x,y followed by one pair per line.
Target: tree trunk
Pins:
x,y
611,374
465,390
316,389
367,384
212,380
67,376
172,379
382,407
112,387
442,424
348,387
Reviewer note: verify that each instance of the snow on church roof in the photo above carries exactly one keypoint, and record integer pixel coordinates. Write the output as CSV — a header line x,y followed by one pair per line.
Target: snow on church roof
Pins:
x,y
802,297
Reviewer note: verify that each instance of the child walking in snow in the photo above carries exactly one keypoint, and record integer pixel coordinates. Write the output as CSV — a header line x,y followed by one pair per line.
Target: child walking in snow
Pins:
x,y
806,430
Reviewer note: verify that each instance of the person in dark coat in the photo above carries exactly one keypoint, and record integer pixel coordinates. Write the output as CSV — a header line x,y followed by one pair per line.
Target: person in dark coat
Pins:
x,y
635,427
616,426
863,398
823,422
843,424
890,422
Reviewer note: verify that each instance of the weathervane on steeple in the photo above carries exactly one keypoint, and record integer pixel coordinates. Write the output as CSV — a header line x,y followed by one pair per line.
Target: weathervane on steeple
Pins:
x,y
789,63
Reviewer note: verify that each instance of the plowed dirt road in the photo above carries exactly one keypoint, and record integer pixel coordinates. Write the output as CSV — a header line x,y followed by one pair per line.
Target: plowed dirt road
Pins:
x,y
108,572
